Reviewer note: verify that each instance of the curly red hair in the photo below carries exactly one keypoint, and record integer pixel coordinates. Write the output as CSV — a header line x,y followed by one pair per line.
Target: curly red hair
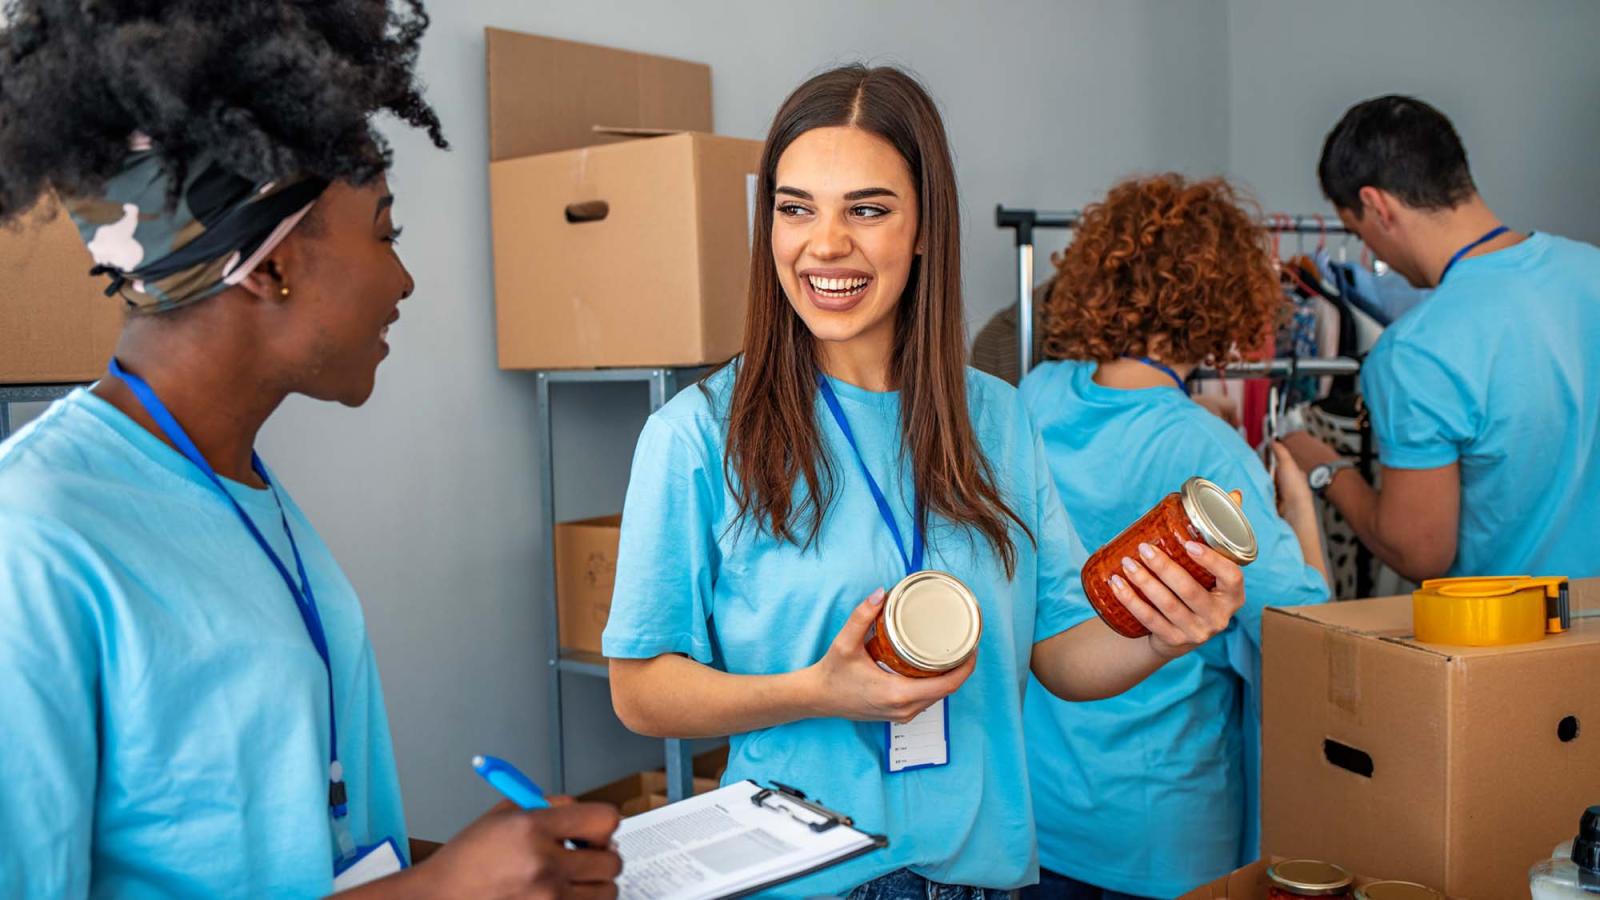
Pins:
x,y
1164,256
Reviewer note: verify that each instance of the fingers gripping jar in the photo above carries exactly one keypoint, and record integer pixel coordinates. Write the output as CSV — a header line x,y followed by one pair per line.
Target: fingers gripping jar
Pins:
x,y
1198,511
929,624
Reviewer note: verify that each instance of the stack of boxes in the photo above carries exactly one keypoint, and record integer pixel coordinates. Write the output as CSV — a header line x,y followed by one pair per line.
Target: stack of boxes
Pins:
x,y
622,228
622,235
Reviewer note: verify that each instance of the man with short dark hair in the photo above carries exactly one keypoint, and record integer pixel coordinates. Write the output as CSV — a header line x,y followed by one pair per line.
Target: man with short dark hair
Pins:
x,y
1485,399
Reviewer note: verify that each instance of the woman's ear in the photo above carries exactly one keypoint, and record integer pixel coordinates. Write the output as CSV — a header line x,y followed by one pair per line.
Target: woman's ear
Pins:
x,y
267,282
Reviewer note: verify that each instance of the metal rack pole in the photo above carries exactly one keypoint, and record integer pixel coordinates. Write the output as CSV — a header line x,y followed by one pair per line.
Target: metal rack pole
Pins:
x,y
544,453
1278,368
1023,222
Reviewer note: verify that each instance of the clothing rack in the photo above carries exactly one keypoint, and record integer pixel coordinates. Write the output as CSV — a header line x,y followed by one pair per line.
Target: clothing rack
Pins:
x,y
1282,368
1023,221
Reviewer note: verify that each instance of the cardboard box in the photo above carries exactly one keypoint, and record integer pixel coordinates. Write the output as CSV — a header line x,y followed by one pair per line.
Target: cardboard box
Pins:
x,y
586,571
612,248
1457,767
57,326
1248,883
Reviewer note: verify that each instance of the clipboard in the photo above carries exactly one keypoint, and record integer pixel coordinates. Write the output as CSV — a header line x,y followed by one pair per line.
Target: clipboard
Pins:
x,y
739,840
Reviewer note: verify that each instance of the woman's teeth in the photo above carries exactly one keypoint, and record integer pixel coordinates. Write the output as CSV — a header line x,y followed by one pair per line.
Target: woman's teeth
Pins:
x,y
837,287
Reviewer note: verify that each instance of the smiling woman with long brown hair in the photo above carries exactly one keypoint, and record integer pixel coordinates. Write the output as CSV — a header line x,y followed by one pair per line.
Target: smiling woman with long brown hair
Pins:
x,y
846,447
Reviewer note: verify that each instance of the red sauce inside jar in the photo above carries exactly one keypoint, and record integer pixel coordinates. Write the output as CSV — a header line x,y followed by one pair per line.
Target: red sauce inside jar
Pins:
x,y
1166,527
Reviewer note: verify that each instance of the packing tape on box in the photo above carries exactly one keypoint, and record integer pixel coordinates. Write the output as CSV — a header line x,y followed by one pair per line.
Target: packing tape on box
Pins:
x,y
1490,612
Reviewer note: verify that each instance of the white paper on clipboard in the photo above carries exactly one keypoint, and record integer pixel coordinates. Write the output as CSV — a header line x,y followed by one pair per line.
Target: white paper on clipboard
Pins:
x,y
722,844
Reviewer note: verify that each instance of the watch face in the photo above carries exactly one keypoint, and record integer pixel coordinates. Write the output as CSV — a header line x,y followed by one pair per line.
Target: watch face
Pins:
x,y
1320,476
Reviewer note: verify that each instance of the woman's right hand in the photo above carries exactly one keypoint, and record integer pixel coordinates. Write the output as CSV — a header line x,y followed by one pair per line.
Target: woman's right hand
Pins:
x,y
848,684
510,852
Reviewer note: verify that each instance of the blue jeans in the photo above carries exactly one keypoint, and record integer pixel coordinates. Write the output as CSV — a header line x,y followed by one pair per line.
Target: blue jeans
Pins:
x,y
1055,886
904,885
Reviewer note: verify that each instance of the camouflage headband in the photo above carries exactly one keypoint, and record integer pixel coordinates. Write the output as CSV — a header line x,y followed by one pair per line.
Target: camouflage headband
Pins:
x,y
161,256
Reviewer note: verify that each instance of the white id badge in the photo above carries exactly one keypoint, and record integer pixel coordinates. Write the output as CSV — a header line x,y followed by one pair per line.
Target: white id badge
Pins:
x,y
369,864
922,743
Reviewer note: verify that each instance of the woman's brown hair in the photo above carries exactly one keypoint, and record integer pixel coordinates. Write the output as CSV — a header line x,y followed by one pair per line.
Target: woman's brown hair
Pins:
x,y
773,436
1163,256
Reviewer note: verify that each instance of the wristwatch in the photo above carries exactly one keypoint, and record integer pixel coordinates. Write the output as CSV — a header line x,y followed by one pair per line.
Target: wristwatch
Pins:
x,y
1322,476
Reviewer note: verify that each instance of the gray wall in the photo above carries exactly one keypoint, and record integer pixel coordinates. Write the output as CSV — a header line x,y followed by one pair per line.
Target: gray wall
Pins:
x,y
1521,81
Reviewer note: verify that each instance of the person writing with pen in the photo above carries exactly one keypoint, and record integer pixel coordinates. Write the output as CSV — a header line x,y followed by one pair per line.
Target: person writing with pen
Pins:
x,y
191,705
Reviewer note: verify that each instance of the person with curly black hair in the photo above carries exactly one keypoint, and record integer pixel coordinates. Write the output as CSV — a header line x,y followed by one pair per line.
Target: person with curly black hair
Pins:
x,y
191,704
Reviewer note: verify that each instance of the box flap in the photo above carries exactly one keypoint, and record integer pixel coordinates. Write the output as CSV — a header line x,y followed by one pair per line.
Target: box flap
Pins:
x,y
547,95
636,132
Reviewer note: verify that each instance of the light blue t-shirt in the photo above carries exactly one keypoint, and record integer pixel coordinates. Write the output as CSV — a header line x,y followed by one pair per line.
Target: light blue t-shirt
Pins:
x,y
165,716
691,581
1500,370
1148,792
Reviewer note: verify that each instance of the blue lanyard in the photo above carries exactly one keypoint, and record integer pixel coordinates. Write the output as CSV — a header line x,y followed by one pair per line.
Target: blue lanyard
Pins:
x,y
914,561
1170,372
304,600
1493,233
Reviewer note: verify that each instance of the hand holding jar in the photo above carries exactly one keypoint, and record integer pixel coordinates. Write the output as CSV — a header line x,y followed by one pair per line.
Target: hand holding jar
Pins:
x,y
1181,614
1160,580
847,683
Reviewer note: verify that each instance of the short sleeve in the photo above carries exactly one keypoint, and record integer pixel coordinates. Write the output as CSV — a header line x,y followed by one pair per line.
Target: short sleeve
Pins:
x,y
49,664
1061,601
1422,410
667,559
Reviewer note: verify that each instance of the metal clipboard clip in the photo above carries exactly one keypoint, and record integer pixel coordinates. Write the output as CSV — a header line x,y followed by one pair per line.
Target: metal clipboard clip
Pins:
x,y
785,800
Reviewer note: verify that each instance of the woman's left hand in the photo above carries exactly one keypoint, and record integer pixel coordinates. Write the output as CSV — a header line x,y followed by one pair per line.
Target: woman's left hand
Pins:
x,y
1181,614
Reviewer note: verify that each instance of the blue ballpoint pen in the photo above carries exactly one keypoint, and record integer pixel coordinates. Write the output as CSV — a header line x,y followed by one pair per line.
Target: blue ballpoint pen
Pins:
x,y
505,778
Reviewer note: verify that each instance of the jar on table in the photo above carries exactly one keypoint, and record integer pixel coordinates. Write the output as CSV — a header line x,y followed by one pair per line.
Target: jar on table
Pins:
x,y
1198,511
1293,878
929,624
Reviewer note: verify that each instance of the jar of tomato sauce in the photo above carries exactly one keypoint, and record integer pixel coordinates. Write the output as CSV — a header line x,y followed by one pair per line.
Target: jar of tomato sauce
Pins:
x,y
1198,511
929,624
1293,878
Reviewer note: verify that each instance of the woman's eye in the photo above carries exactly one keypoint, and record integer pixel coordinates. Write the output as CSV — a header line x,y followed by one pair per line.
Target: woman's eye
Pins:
x,y
393,237
791,209
868,212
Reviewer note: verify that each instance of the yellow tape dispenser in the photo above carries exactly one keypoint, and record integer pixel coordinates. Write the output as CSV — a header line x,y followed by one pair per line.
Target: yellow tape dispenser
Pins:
x,y
1490,612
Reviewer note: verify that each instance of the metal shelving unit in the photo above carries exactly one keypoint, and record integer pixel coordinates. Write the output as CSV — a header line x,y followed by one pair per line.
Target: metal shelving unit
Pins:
x,y
663,384
27,393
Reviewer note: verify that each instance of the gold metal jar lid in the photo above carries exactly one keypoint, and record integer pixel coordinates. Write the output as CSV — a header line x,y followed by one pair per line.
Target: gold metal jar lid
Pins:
x,y
1219,520
1310,877
1397,890
932,620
